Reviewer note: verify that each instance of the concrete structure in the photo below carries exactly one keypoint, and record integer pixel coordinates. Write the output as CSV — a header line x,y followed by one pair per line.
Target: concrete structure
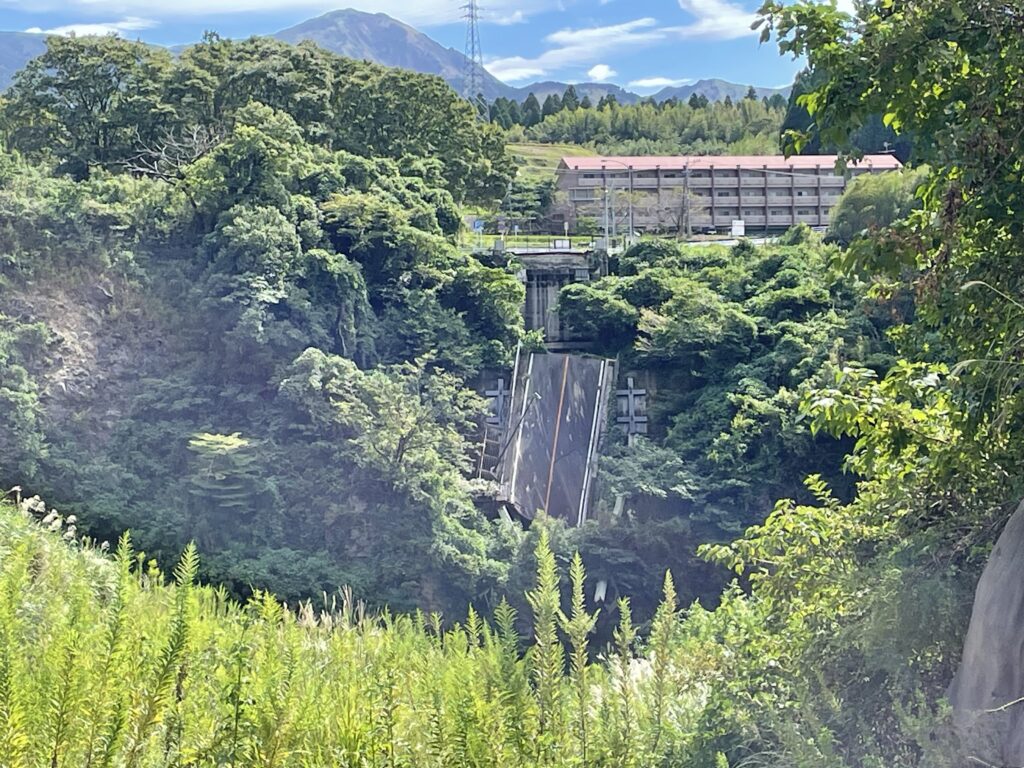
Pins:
x,y
547,459
692,194
545,271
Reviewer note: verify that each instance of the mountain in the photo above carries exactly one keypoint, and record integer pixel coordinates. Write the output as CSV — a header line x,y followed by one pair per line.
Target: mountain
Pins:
x,y
594,90
378,37
716,90
16,50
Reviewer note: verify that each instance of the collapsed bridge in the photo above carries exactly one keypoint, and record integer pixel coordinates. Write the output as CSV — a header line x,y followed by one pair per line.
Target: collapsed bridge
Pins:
x,y
544,437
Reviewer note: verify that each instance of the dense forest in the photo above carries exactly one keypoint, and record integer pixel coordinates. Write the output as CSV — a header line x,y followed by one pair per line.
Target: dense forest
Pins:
x,y
229,327
697,126
225,325
233,311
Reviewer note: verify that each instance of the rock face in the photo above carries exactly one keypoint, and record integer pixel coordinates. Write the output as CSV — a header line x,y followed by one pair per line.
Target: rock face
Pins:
x,y
987,691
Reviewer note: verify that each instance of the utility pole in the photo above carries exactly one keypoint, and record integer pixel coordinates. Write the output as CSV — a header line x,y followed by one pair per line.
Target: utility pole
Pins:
x,y
631,228
604,179
473,78
614,226
686,199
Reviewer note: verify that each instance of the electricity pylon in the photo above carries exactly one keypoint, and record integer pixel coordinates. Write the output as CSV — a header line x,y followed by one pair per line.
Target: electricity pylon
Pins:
x,y
473,80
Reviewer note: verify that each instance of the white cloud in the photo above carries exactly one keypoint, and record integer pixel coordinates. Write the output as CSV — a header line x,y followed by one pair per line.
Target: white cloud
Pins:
x,y
514,71
651,83
601,72
416,12
516,17
130,24
715,20
576,47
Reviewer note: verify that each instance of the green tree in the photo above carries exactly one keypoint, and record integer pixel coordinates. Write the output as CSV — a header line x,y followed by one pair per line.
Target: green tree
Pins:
x,y
570,100
552,105
873,202
531,114
90,102
22,439
871,136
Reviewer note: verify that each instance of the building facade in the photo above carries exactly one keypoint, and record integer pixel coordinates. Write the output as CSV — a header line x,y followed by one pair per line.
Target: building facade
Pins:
x,y
695,194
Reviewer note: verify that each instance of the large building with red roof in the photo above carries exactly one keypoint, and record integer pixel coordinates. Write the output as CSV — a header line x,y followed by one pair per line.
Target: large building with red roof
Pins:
x,y
694,194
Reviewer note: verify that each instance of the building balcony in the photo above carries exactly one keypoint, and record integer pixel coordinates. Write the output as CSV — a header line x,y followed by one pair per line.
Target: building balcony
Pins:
x,y
753,182
780,200
753,200
645,183
805,200
677,182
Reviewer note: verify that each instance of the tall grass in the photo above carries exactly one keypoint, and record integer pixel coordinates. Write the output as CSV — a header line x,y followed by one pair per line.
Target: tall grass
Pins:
x,y
104,663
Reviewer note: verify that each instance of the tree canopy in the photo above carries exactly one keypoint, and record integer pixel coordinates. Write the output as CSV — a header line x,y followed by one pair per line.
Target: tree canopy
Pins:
x,y
105,103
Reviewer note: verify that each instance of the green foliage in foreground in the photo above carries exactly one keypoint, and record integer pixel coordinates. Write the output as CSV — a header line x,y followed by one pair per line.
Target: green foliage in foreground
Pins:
x,y
106,665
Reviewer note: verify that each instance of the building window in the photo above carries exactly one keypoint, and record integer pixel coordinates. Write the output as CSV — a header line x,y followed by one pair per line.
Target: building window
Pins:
x,y
804,212
725,193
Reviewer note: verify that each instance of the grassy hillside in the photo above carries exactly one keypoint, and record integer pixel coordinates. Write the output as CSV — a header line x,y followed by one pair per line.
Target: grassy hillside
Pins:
x,y
537,162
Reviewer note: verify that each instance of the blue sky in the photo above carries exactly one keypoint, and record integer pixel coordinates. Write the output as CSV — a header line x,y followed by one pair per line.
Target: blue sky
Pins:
x,y
642,45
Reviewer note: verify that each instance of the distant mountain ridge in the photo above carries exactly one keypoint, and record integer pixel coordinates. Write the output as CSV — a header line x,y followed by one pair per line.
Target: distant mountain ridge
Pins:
x,y
716,90
382,39
379,38
16,50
